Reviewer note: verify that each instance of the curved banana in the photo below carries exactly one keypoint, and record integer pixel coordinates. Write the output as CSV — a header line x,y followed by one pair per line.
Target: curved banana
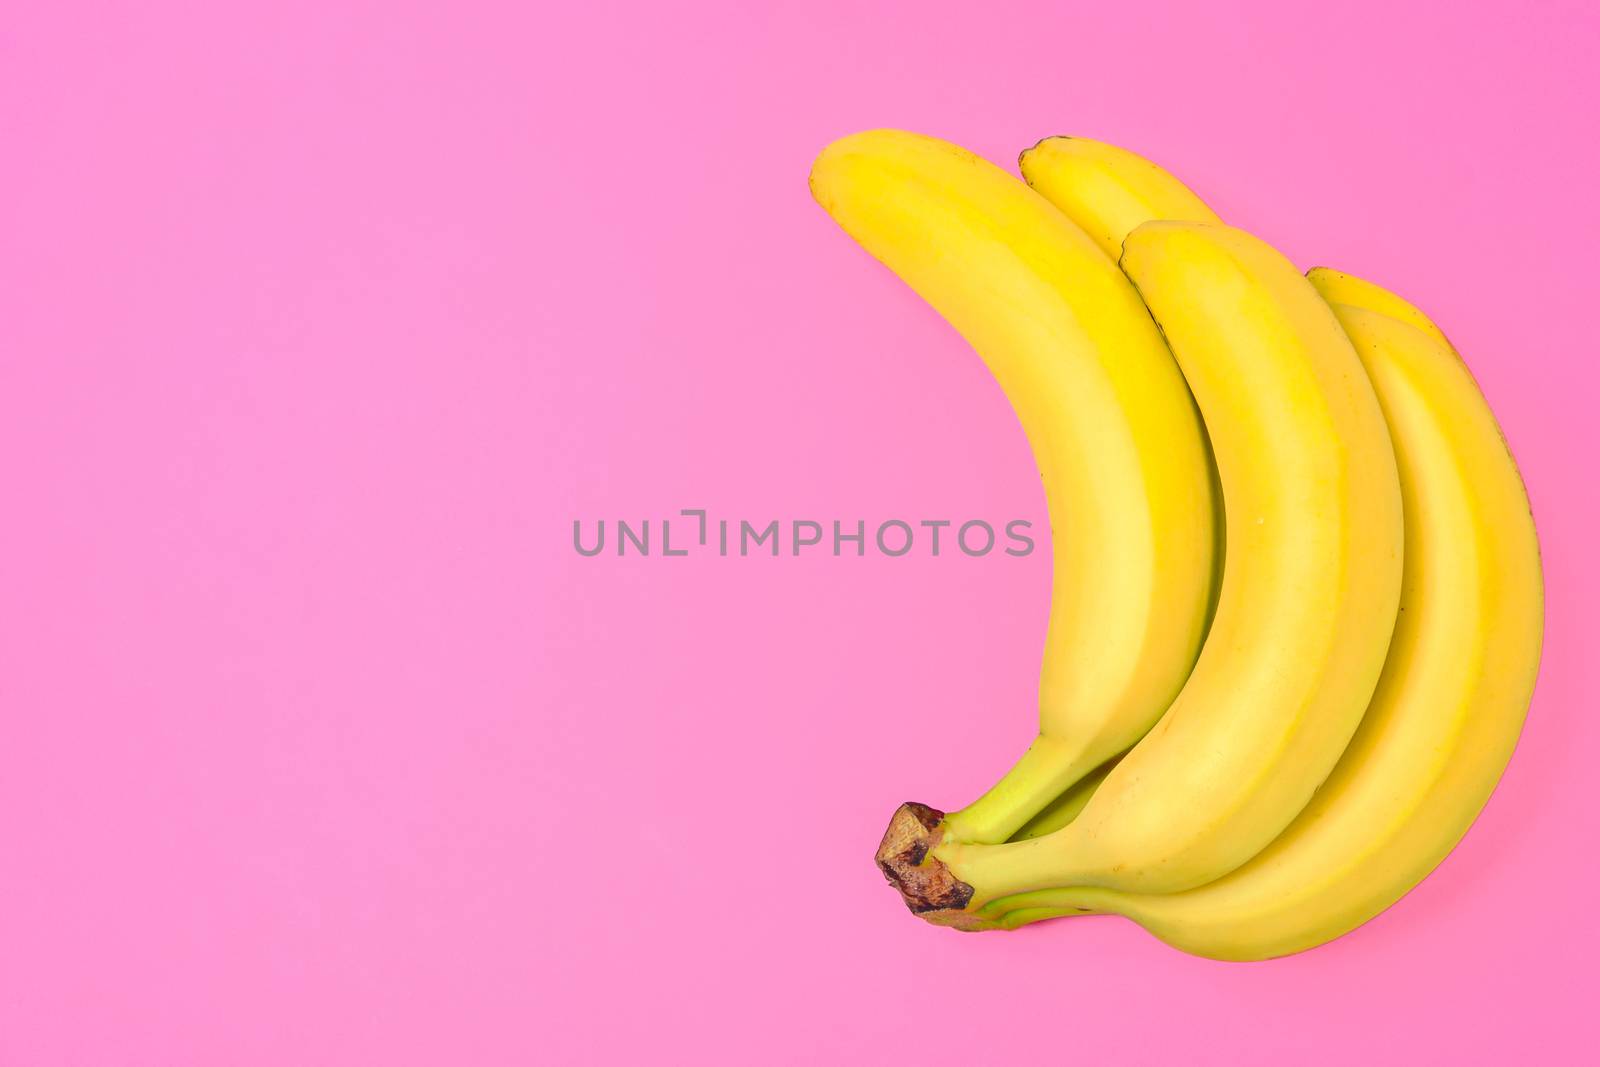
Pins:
x,y
1109,192
1106,190
1308,600
1111,423
1447,710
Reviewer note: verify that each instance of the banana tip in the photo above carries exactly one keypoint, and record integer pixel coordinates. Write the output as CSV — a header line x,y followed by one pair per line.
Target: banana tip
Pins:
x,y
1040,143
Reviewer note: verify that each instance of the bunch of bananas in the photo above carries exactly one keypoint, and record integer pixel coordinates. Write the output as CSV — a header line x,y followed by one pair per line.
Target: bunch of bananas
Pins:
x,y
1297,605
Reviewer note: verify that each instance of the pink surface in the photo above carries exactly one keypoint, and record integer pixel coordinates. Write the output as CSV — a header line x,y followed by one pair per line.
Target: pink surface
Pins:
x,y
319,324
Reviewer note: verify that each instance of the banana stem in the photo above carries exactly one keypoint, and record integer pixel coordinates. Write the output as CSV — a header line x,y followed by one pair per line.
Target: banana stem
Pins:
x,y
1067,900
1062,810
1020,917
990,872
1047,770
1026,916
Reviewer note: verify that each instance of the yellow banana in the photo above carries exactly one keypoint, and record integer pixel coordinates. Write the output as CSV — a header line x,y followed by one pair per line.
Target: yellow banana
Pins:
x,y
1111,424
1308,599
1448,707
1106,190
1109,192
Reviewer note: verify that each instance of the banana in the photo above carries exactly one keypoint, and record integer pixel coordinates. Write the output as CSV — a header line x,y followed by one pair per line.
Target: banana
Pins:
x,y
1450,703
1308,601
1111,423
1109,192
1106,190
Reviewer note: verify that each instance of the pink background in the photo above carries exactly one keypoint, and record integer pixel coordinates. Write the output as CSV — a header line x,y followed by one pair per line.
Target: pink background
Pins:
x,y
321,323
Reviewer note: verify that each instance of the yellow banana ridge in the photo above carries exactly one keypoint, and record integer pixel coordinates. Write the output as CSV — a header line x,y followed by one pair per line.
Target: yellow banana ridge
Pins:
x,y
1448,708
1307,606
1110,421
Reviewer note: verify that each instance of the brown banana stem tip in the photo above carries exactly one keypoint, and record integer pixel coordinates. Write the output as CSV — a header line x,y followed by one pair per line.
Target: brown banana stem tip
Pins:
x,y
924,882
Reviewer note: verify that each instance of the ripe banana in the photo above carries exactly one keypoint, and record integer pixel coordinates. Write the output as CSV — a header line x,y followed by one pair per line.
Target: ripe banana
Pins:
x,y
1111,424
1308,600
1448,707
1108,191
